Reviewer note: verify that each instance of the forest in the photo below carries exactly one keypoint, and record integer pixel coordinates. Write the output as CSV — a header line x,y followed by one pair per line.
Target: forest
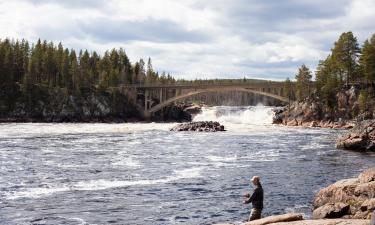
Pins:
x,y
347,65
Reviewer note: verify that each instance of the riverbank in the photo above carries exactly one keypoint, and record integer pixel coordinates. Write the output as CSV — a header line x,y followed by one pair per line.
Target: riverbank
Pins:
x,y
348,201
92,105
345,112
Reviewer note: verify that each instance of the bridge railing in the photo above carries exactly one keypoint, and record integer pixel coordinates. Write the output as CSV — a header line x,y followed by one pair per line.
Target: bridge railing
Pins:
x,y
191,86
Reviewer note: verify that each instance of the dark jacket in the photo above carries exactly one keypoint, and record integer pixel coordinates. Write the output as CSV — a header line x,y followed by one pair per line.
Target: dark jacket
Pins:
x,y
256,198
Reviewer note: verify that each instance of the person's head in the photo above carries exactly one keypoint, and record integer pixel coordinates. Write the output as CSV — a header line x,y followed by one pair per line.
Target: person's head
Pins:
x,y
255,180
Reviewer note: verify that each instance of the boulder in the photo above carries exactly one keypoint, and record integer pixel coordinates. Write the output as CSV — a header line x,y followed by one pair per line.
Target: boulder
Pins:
x,y
331,210
360,138
203,126
193,109
341,191
275,219
349,198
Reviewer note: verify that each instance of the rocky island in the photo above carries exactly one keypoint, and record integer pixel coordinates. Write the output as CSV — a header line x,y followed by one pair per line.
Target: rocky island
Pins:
x,y
202,126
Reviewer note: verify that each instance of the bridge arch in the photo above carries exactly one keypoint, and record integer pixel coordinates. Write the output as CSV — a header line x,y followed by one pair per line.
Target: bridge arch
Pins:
x,y
201,91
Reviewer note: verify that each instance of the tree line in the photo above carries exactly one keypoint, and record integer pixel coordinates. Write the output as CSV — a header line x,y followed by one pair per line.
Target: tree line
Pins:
x,y
347,64
45,63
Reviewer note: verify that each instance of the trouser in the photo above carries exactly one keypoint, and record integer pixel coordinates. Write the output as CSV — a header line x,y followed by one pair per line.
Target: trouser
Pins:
x,y
255,214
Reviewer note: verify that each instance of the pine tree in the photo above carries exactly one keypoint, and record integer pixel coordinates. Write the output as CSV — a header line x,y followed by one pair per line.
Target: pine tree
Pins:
x,y
367,60
287,90
345,55
303,84
73,70
150,72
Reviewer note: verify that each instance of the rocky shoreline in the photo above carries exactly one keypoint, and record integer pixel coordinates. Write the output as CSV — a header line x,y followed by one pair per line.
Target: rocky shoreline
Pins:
x,y
346,202
312,113
360,138
360,135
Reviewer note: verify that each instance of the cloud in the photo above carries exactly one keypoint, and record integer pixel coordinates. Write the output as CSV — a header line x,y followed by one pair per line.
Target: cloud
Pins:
x,y
195,38
106,30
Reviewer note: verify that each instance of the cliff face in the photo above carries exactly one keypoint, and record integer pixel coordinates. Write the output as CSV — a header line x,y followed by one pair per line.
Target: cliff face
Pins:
x,y
40,104
313,113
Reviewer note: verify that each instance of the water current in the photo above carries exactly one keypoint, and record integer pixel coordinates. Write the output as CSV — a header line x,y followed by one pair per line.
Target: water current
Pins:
x,y
142,173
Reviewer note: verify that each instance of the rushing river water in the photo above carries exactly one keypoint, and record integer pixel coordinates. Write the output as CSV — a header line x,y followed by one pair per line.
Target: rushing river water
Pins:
x,y
145,174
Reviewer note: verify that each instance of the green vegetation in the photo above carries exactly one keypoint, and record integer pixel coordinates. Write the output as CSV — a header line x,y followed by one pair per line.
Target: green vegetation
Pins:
x,y
346,65
303,84
53,66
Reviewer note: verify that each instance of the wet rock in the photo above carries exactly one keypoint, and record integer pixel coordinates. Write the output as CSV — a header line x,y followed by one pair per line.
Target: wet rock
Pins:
x,y
203,126
360,138
193,109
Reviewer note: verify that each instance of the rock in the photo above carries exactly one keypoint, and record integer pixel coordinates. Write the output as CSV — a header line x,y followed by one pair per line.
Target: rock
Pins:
x,y
360,138
368,205
367,176
275,219
327,222
341,191
365,189
349,198
331,210
193,109
204,126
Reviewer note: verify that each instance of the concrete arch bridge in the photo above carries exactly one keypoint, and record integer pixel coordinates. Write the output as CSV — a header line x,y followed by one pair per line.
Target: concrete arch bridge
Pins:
x,y
152,98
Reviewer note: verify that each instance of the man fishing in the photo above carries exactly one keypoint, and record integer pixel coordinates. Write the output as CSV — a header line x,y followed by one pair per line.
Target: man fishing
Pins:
x,y
256,199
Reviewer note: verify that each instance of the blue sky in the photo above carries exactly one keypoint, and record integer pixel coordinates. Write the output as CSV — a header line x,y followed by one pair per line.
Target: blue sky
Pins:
x,y
191,39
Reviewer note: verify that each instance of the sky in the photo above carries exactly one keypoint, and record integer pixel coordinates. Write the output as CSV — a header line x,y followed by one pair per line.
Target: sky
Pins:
x,y
268,39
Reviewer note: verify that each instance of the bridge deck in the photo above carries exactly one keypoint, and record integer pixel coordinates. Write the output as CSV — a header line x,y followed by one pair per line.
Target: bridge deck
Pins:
x,y
205,86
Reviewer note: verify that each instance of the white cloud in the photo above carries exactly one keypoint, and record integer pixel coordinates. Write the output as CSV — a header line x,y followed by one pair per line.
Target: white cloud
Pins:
x,y
211,38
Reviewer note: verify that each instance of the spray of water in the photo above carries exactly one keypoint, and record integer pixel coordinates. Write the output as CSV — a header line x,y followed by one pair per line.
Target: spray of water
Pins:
x,y
249,115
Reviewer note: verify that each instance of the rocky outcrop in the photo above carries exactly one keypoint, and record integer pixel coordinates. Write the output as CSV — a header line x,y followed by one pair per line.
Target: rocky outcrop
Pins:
x,y
204,126
350,198
44,104
182,112
360,138
308,114
311,112
193,109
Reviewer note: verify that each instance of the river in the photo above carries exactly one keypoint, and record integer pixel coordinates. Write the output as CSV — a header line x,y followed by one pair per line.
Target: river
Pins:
x,y
145,174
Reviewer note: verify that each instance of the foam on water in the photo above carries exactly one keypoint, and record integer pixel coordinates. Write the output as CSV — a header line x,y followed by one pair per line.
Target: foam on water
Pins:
x,y
222,159
253,115
31,129
127,161
101,184
239,119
